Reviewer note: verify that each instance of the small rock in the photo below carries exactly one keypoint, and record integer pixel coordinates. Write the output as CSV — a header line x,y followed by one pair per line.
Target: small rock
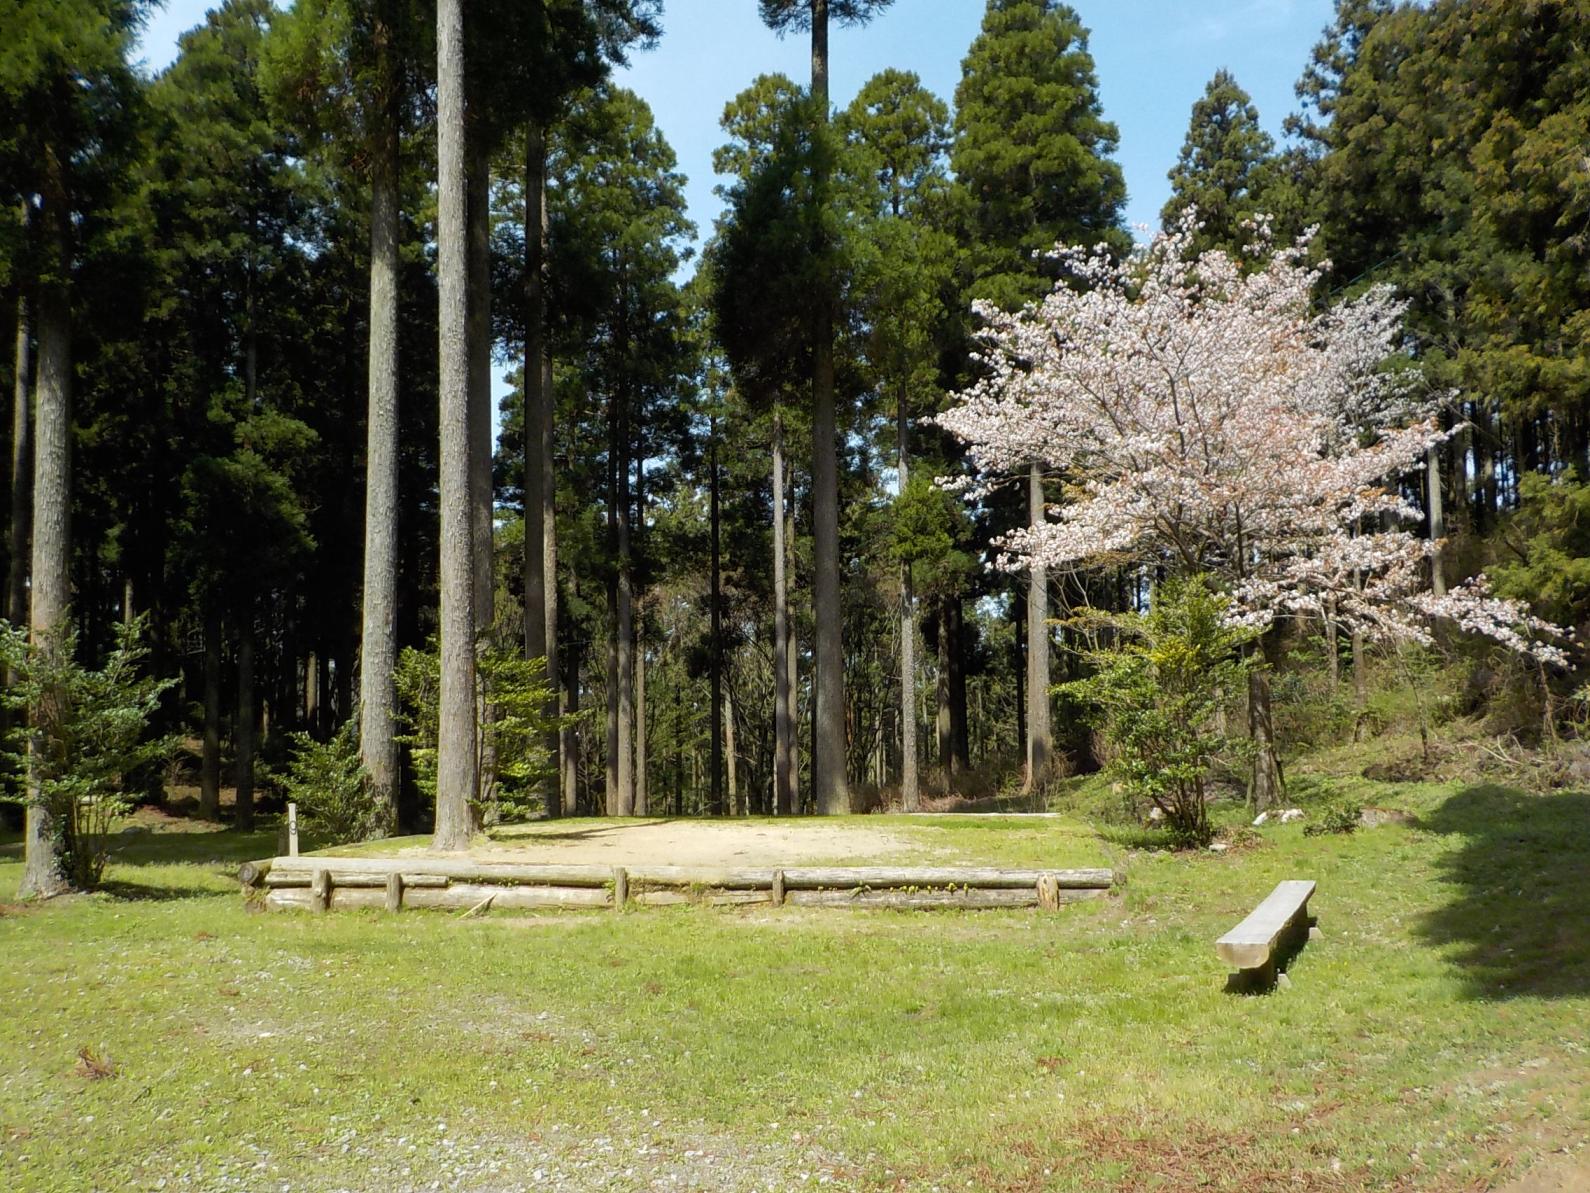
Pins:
x,y
1260,819
1291,814
1219,847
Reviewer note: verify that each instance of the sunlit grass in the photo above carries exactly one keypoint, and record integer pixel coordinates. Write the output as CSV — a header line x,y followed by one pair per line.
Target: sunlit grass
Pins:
x,y
1433,1037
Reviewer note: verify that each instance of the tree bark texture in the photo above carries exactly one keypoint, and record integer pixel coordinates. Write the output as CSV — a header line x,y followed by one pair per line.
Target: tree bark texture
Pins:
x,y
910,793
715,619
784,802
1265,786
456,761
45,870
378,749
244,730
831,789
1039,742
20,530
481,503
1432,485
210,760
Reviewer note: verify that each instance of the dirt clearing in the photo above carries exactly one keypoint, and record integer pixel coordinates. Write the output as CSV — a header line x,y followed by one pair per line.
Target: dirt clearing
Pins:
x,y
700,843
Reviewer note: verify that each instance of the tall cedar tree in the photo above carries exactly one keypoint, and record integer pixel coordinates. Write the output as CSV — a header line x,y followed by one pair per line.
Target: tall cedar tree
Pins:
x,y
1032,154
69,105
897,134
763,265
457,774
340,73
1225,170
830,787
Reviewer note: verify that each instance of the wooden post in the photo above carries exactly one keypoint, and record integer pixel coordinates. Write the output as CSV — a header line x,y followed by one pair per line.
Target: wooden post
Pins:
x,y
320,890
292,830
620,887
394,892
778,888
1049,892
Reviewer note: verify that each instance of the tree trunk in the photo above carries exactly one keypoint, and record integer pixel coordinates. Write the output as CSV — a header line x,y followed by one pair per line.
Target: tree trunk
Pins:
x,y
535,400
792,663
784,803
831,791
46,851
642,793
1432,486
210,762
610,793
960,749
481,503
1038,738
549,572
941,695
540,488
243,731
715,620
1265,786
625,653
21,530
456,758
910,793
378,749
569,740
638,647
730,758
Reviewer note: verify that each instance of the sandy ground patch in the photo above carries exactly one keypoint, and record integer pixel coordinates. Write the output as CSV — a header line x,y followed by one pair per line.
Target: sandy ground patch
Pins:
x,y
699,843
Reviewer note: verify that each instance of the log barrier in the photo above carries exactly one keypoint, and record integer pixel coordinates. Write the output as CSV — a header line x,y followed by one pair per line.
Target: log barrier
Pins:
x,y
329,883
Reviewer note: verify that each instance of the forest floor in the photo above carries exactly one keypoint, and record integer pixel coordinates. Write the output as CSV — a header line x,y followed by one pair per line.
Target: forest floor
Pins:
x,y
157,1035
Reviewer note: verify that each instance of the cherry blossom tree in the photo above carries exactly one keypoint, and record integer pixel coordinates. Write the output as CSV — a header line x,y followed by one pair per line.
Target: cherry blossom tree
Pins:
x,y
1202,416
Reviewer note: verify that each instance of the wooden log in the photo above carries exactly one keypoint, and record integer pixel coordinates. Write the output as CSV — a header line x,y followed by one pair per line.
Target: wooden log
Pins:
x,y
981,878
620,888
340,877
254,873
724,878
460,896
457,869
394,892
320,890
778,888
1048,892
808,878
970,898
295,898
677,898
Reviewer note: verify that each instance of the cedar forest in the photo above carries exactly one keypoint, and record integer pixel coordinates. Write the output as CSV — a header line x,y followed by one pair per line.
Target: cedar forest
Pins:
x,y
879,501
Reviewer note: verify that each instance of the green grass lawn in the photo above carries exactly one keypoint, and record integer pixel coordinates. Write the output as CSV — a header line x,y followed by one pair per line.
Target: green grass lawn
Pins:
x,y
1434,1038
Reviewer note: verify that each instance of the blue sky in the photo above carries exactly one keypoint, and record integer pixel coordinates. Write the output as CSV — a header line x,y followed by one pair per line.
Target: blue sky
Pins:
x,y
1153,56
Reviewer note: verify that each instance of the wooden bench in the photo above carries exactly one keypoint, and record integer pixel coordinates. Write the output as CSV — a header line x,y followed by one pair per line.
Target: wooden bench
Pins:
x,y
1260,945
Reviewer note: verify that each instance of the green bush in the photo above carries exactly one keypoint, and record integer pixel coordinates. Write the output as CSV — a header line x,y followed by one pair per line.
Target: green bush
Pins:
x,y
1155,697
1335,818
329,784
514,695
84,770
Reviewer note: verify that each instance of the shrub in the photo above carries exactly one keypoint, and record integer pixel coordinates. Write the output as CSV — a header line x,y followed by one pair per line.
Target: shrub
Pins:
x,y
84,773
515,693
329,784
1335,818
1155,696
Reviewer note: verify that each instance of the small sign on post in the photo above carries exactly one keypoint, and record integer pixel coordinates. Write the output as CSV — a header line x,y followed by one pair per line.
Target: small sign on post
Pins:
x,y
292,830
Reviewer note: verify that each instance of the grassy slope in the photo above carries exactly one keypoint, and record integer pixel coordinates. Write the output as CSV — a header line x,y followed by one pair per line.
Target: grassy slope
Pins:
x,y
1433,1039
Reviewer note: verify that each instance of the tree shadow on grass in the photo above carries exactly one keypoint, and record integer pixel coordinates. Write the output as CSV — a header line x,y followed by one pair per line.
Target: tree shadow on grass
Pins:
x,y
1520,912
